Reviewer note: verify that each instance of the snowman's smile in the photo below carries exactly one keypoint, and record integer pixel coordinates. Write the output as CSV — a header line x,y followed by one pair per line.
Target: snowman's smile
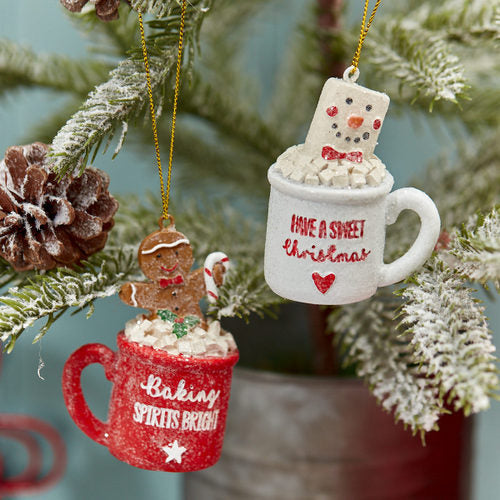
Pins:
x,y
169,269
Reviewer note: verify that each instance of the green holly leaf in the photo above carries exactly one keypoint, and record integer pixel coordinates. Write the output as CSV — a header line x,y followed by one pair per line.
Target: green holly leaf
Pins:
x,y
167,315
180,329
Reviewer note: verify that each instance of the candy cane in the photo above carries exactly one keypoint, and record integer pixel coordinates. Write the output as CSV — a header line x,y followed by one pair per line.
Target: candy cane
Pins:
x,y
210,261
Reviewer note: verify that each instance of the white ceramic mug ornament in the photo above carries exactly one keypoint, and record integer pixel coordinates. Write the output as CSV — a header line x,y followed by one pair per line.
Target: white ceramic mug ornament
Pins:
x,y
330,203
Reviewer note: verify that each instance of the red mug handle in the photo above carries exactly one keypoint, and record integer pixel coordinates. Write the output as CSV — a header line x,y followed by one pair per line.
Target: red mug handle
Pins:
x,y
72,388
33,451
19,427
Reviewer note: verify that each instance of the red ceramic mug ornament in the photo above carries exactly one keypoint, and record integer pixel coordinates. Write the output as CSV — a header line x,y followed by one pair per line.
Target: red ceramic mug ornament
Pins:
x,y
23,429
167,411
172,373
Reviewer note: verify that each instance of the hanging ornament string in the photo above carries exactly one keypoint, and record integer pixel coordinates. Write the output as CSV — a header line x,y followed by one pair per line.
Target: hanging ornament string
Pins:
x,y
362,35
165,192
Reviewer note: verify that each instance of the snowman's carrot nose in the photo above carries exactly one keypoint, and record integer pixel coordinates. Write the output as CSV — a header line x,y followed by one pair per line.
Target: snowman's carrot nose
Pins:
x,y
355,121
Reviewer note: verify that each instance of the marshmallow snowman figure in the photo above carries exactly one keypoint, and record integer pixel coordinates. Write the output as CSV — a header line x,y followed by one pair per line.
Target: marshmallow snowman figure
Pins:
x,y
330,203
347,122
339,147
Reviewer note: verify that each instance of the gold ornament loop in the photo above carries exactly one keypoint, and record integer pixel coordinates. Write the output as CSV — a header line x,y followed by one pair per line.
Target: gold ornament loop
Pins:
x,y
351,74
162,220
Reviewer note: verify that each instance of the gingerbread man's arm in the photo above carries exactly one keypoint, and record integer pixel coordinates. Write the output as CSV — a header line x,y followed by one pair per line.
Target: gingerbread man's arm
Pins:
x,y
197,284
136,294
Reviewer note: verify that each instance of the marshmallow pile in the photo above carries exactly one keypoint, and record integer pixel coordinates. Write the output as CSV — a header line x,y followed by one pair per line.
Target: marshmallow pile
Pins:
x,y
198,342
299,167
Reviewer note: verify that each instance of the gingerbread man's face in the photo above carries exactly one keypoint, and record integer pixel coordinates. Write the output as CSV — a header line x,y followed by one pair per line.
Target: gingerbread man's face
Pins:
x,y
165,254
348,118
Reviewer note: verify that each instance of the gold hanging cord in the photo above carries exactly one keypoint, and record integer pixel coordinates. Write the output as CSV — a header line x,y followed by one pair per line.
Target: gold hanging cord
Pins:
x,y
363,32
165,193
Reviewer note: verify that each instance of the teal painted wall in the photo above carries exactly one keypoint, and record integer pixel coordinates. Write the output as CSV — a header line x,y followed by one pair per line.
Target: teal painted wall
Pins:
x,y
92,472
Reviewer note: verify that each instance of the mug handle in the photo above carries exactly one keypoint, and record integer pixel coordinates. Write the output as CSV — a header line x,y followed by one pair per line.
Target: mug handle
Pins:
x,y
20,427
33,450
72,388
419,202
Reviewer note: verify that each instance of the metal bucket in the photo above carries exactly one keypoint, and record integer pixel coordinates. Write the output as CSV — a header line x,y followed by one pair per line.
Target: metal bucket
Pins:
x,y
291,437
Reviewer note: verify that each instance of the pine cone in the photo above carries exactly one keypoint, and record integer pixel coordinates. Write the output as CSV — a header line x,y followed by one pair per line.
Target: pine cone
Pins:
x,y
106,10
45,223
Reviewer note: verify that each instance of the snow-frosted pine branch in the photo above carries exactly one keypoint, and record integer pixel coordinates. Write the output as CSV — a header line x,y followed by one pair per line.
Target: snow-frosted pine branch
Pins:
x,y
477,249
245,292
51,294
369,340
449,336
116,101
157,7
400,52
462,21
124,96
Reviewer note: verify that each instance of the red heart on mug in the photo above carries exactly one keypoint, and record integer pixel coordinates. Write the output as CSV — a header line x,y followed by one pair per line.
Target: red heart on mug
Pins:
x,y
323,283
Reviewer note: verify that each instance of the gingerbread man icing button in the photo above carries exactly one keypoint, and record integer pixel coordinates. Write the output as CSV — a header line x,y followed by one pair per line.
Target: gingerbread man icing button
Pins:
x,y
166,258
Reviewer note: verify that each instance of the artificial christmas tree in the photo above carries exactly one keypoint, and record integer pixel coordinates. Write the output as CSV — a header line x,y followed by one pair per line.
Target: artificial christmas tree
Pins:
x,y
417,53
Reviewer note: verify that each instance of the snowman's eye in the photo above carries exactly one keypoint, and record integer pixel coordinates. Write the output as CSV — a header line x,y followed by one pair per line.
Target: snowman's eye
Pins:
x,y
348,100
368,107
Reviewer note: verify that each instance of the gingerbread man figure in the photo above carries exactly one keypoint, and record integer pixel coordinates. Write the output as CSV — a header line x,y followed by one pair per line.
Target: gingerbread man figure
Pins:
x,y
166,258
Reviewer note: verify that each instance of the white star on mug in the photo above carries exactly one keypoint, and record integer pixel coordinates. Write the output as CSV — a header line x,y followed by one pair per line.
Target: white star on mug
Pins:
x,y
174,452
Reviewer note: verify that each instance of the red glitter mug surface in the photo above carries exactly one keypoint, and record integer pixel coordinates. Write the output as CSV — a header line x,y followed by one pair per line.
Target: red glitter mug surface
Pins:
x,y
167,412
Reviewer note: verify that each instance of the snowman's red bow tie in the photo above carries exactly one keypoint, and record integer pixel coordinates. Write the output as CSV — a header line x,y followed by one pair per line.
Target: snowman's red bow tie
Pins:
x,y
328,153
177,280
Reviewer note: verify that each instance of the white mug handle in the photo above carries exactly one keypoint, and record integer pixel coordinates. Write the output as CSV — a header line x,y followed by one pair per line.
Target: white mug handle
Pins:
x,y
419,202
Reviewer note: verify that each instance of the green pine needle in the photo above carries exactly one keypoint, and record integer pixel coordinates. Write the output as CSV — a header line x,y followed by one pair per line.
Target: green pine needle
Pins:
x,y
23,67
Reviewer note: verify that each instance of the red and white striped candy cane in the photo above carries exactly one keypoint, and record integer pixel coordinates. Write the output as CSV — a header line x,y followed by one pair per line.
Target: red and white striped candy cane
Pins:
x,y
210,261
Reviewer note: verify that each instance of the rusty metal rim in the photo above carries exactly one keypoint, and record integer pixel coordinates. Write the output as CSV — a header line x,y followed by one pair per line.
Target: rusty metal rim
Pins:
x,y
269,377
